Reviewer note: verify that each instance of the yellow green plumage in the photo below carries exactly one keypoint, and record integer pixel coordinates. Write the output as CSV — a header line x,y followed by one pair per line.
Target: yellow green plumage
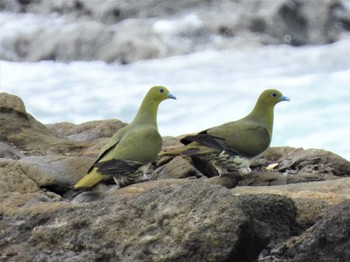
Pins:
x,y
131,148
233,144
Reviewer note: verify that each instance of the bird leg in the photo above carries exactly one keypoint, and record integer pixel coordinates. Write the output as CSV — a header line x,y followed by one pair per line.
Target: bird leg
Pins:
x,y
116,182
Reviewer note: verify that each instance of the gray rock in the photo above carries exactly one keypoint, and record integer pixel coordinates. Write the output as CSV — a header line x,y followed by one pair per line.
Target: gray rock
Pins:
x,y
311,199
87,131
184,218
177,167
9,152
296,165
327,240
64,171
192,222
127,31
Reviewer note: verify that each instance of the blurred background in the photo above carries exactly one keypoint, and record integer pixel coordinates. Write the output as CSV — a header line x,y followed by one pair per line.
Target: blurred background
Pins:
x,y
82,60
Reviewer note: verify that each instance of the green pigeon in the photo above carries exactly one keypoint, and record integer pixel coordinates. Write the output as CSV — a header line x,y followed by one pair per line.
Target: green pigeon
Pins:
x,y
233,145
132,148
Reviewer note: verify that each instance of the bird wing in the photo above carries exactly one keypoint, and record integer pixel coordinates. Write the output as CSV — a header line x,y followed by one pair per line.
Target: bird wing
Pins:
x,y
247,137
244,138
108,148
115,167
211,141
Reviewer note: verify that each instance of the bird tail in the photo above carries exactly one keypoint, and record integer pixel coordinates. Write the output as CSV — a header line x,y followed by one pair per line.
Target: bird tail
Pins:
x,y
91,179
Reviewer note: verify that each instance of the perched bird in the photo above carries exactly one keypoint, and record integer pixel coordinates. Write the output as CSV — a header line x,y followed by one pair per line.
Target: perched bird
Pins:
x,y
132,148
231,146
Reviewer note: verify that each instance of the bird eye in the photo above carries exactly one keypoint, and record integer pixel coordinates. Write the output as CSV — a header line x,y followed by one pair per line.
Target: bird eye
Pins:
x,y
274,94
161,90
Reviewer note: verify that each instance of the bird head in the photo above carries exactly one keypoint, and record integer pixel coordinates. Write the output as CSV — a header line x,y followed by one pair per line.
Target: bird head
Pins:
x,y
160,93
272,97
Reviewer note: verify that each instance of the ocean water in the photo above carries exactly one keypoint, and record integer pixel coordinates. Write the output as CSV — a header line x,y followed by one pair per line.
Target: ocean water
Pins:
x,y
212,87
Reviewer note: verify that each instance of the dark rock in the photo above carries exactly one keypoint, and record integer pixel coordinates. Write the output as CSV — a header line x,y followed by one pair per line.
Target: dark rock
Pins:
x,y
271,215
327,240
127,31
308,22
311,199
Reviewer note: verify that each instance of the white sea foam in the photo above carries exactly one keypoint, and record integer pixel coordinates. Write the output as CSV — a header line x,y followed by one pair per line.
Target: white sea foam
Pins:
x,y
212,88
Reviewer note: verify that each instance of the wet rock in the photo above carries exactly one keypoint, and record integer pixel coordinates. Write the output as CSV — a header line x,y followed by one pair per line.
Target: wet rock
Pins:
x,y
128,31
297,23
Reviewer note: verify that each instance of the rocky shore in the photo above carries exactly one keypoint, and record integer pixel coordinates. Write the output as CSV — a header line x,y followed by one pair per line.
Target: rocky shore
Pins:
x,y
294,206
126,31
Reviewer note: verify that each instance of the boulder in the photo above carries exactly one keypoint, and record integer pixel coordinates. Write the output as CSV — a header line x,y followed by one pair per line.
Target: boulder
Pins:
x,y
327,240
127,31
311,199
26,133
281,211
188,221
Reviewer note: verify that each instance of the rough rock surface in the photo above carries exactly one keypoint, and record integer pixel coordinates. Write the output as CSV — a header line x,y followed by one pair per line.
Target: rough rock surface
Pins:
x,y
188,221
127,31
294,206
327,240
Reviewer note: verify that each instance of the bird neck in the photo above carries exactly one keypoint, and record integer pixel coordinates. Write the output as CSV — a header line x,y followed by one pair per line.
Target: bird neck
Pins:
x,y
263,113
147,112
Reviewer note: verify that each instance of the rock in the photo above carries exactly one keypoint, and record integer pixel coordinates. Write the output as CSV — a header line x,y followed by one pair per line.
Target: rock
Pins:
x,y
302,22
266,216
228,181
11,103
26,133
177,167
18,176
182,215
127,31
64,171
191,221
296,165
311,199
327,240
87,131
317,161
9,152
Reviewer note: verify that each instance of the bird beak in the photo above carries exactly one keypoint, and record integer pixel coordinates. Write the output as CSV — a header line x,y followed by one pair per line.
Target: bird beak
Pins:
x,y
284,98
171,96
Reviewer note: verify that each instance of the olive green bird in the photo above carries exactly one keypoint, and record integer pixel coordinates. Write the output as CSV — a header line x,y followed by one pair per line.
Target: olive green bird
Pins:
x,y
232,146
132,148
